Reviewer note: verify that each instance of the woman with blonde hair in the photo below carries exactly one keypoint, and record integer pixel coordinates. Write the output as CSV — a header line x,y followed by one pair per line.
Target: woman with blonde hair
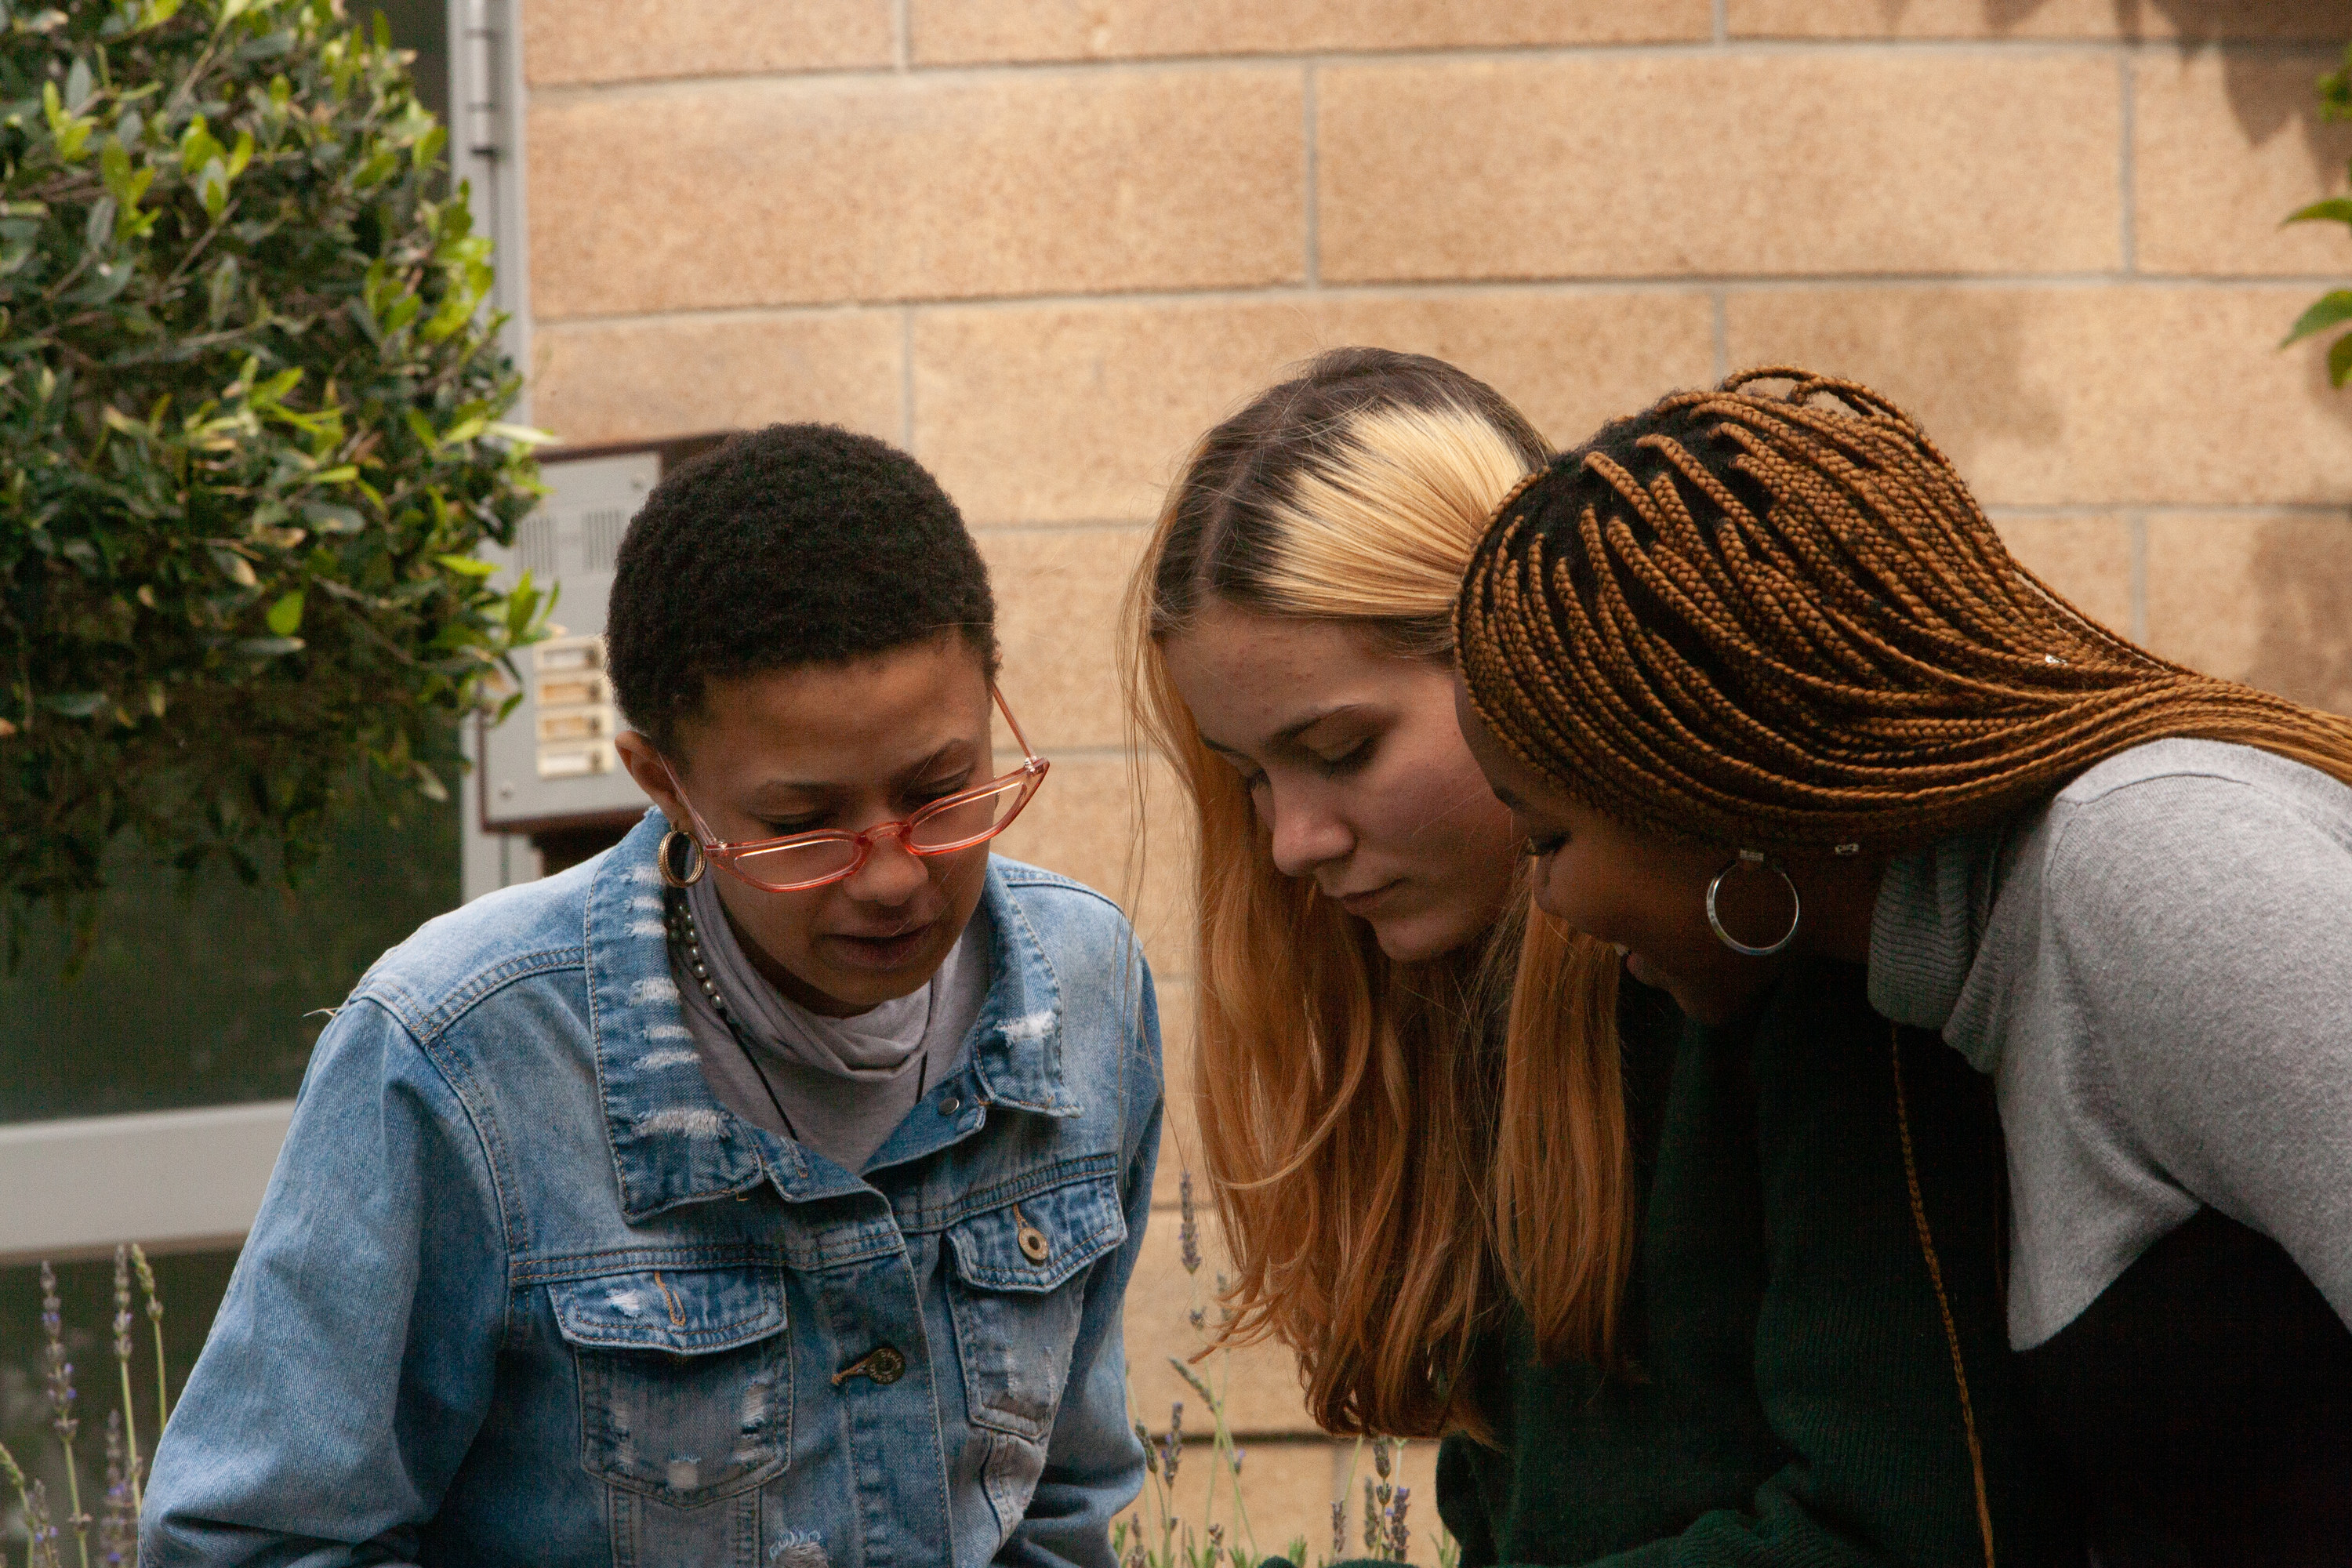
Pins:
x,y
1764,639
1666,1290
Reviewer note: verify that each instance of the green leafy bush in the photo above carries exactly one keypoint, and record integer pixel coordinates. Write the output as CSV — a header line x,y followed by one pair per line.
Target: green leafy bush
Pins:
x,y
249,435
2334,307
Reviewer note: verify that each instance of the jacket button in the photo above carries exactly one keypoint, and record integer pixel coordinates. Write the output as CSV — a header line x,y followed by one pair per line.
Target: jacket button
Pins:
x,y
886,1366
950,1105
1033,1244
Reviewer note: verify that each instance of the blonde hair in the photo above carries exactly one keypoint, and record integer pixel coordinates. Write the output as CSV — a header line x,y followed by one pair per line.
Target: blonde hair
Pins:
x,y
1385,1166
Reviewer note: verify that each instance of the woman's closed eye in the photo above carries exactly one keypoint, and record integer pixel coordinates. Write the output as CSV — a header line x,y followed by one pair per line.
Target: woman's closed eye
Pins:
x,y
1535,846
1346,761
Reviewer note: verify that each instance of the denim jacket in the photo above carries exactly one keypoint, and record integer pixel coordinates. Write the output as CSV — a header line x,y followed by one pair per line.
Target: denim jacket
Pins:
x,y
524,1290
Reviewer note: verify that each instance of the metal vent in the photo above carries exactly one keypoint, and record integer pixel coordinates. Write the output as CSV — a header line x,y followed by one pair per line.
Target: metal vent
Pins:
x,y
600,538
537,547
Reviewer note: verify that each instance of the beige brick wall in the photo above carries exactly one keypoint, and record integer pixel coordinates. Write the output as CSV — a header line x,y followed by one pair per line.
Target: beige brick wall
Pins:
x,y
1044,243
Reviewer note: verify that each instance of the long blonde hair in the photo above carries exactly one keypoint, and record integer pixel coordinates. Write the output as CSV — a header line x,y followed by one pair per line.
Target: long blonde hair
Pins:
x,y
1388,1163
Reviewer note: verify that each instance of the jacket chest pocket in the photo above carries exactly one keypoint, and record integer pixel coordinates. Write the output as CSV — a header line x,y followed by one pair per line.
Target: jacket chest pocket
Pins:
x,y
1016,1296
685,1388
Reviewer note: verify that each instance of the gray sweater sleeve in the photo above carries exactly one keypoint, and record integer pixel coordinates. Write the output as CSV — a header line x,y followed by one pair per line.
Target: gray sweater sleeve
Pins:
x,y
2204,926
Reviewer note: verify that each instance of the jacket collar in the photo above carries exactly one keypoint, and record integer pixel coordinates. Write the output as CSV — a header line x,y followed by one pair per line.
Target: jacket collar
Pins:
x,y
673,1142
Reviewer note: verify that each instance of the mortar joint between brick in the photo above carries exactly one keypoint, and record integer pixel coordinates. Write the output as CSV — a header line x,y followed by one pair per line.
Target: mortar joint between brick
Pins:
x,y
902,42
1312,196
2136,526
907,377
2127,206
1720,21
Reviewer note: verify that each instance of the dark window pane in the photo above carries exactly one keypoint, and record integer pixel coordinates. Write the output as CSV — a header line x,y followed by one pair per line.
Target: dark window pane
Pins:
x,y
209,995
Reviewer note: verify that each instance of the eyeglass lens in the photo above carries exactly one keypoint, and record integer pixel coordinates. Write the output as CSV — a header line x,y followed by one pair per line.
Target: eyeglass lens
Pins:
x,y
961,823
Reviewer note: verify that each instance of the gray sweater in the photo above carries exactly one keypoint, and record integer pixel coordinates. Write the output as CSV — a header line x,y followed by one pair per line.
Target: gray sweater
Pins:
x,y
2155,968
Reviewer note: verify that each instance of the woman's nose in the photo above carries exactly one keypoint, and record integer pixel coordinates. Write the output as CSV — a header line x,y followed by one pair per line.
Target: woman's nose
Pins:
x,y
891,875
1306,833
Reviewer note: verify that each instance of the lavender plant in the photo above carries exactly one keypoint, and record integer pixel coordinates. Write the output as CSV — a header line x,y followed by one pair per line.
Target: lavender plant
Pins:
x,y
117,1520
1157,1535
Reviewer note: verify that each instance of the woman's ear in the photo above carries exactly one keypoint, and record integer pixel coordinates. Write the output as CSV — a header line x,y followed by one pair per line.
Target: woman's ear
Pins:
x,y
645,765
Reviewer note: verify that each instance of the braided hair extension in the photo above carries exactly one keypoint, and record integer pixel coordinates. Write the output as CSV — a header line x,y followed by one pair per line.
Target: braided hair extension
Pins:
x,y
1782,622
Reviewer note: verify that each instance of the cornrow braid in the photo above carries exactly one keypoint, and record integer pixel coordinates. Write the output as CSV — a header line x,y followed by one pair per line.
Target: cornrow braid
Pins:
x,y
1782,621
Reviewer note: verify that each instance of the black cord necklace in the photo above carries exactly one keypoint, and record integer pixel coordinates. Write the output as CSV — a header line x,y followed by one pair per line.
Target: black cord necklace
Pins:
x,y
683,932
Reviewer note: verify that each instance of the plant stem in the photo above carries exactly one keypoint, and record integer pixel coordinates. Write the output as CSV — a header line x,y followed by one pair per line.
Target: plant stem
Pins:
x,y
156,1321
131,1433
73,1507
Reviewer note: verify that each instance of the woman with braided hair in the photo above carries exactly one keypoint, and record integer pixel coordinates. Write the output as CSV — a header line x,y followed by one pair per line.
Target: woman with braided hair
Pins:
x,y
1666,1309
1762,688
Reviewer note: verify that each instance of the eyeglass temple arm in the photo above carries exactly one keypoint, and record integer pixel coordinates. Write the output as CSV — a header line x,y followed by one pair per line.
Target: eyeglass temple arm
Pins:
x,y
1028,753
705,838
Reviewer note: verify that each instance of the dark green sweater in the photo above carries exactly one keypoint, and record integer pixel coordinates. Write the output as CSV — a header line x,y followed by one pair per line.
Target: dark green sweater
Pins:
x,y
1793,1400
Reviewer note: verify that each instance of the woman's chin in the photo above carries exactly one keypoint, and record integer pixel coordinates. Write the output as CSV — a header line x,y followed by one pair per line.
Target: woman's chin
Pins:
x,y
1422,938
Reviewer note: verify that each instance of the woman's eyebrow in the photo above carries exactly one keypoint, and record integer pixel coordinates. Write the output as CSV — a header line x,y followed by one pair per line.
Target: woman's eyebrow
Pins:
x,y
912,770
1288,734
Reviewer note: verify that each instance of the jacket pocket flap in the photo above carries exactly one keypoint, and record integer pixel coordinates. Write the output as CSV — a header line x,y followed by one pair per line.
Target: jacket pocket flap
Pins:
x,y
683,1311
1038,1243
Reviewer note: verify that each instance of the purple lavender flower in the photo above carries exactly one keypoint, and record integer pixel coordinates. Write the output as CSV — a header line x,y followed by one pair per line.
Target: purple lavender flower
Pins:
x,y
59,1376
1188,1229
1400,1533
1171,1447
118,1528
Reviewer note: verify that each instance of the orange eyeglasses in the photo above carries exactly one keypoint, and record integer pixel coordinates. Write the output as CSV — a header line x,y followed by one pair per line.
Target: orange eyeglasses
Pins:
x,y
801,860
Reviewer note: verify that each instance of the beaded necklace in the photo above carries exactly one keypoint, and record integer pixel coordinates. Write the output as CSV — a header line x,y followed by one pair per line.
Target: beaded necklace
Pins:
x,y
679,919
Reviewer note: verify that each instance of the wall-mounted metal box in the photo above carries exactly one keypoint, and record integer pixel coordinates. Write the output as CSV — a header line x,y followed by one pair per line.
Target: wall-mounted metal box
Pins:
x,y
550,770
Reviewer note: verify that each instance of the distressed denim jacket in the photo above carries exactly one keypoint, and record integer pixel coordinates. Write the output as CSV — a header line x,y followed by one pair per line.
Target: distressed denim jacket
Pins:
x,y
523,1291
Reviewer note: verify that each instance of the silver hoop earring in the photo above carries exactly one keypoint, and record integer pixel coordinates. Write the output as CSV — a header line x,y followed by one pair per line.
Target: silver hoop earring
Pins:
x,y
1753,860
665,856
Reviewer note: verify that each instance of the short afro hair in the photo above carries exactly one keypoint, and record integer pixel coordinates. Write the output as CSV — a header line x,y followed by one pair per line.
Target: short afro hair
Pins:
x,y
797,544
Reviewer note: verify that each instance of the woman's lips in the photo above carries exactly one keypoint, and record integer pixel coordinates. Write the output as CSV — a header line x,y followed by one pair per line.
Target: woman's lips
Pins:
x,y
1362,904
893,952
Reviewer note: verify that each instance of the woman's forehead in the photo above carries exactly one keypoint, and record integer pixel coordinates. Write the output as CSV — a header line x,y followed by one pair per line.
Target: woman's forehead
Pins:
x,y
833,724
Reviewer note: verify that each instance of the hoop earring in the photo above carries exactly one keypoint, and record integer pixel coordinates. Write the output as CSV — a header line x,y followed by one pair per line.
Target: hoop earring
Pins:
x,y
665,854
1753,860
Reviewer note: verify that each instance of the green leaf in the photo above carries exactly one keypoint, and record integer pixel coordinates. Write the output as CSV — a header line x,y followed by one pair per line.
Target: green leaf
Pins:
x,y
197,146
468,565
2339,361
211,187
76,704
2336,209
78,85
285,617
328,518
2325,312
234,567
97,229
269,647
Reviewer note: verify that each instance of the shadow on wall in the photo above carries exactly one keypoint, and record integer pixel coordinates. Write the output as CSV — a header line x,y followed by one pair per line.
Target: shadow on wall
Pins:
x,y
2195,24
2301,597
